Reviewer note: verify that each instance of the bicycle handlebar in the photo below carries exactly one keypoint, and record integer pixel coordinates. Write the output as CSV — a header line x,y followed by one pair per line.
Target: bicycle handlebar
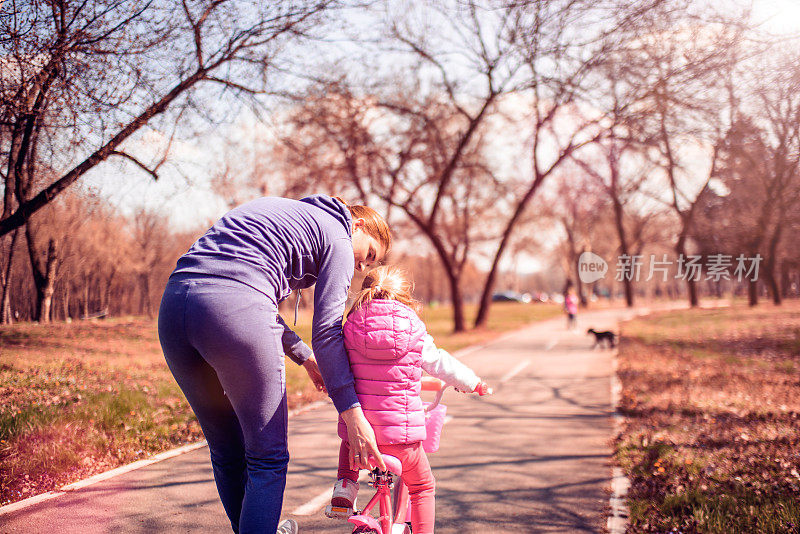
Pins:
x,y
436,399
430,383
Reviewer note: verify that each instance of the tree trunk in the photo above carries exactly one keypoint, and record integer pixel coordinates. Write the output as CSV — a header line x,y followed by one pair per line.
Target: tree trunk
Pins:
x,y
486,299
691,284
144,297
578,284
752,293
85,297
44,293
694,302
772,281
573,261
107,299
786,280
772,260
620,224
458,302
627,283
5,304
66,301
488,287
44,274
486,296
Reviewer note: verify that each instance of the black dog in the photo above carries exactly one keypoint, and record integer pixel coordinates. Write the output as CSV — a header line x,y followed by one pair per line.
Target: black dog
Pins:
x,y
603,337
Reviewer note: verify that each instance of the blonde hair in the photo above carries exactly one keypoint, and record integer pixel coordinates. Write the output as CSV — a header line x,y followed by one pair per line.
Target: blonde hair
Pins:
x,y
374,225
389,283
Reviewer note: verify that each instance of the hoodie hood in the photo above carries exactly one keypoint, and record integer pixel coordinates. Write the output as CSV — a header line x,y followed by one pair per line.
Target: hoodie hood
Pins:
x,y
334,208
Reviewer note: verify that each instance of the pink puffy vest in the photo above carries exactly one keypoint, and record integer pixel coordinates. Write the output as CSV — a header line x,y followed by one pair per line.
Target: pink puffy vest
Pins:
x,y
384,341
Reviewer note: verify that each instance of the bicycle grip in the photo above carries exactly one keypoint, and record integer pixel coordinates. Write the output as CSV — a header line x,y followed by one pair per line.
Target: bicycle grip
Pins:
x,y
482,389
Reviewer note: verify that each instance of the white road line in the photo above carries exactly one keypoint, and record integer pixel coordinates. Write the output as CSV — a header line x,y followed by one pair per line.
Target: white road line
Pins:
x,y
314,504
467,350
552,344
99,477
618,518
133,466
515,371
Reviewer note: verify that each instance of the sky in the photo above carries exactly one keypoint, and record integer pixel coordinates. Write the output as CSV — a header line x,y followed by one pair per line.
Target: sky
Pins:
x,y
184,191
779,16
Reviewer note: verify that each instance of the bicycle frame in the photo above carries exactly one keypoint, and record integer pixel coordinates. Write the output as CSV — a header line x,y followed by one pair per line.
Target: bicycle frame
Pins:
x,y
387,522
393,517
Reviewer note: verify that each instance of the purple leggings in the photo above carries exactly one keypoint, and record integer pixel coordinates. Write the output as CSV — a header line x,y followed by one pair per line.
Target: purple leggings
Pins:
x,y
222,343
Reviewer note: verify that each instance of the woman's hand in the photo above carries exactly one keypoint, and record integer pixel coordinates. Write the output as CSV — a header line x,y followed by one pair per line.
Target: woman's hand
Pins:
x,y
311,368
361,438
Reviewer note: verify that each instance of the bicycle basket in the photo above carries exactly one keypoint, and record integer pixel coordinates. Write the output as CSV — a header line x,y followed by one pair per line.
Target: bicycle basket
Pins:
x,y
434,421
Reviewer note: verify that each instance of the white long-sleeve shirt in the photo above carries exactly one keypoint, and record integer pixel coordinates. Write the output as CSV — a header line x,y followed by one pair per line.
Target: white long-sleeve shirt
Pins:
x,y
441,364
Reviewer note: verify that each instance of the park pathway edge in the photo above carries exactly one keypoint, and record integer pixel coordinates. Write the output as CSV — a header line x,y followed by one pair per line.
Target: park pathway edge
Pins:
x,y
127,468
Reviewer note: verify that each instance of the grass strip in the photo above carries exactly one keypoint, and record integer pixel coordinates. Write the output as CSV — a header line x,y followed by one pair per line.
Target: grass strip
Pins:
x,y
711,400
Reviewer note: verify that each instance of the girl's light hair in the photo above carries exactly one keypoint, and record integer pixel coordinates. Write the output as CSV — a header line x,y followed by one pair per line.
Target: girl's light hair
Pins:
x,y
389,283
374,225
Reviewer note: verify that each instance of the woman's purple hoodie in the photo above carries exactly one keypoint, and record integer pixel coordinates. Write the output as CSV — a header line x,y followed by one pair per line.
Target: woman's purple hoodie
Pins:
x,y
276,245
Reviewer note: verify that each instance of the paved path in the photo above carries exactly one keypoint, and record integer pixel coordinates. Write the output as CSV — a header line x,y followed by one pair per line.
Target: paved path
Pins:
x,y
534,457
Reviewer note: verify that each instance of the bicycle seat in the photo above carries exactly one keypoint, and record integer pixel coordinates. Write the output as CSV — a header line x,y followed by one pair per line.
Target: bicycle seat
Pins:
x,y
392,464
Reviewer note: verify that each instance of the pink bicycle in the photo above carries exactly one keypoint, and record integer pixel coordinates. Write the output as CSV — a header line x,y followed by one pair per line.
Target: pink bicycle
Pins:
x,y
394,513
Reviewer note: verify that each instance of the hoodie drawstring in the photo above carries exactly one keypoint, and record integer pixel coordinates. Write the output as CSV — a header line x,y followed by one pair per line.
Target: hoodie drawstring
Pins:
x,y
297,305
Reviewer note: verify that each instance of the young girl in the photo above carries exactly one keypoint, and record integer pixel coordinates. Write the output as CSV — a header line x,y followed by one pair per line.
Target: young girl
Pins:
x,y
388,348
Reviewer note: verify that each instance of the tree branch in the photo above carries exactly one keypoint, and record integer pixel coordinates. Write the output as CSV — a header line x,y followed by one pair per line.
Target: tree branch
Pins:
x,y
145,168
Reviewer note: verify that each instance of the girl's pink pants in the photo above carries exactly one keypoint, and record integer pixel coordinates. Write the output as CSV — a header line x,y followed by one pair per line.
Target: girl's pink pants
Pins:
x,y
417,476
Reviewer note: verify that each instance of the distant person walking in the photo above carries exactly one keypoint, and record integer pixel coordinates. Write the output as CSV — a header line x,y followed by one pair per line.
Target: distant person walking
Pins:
x,y
224,340
571,306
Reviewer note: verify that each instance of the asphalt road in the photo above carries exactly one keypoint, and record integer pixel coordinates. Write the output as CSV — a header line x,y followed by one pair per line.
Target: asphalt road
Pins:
x,y
533,457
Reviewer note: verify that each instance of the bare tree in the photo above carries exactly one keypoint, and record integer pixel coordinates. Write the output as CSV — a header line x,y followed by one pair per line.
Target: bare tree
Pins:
x,y
735,221
98,260
434,128
559,70
149,253
397,149
415,141
779,111
621,188
759,169
82,78
678,82
579,207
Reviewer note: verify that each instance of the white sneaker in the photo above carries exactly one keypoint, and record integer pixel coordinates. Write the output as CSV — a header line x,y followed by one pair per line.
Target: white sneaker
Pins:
x,y
287,526
343,500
